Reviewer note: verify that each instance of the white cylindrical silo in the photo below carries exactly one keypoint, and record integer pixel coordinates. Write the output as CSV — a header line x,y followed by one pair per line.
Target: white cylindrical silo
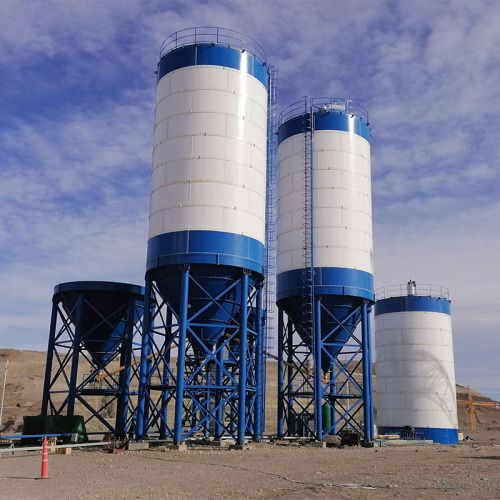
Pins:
x,y
342,238
206,243
415,365
324,282
209,157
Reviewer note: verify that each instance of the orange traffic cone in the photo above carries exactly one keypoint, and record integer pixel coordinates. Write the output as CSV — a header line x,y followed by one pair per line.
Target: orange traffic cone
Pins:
x,y
45,460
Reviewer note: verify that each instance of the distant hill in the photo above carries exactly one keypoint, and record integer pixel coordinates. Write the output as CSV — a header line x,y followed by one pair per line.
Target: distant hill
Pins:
x,y
26,372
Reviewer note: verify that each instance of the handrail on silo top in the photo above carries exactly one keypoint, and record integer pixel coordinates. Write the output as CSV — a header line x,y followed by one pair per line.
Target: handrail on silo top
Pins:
x,y
338,105
412,288
215,36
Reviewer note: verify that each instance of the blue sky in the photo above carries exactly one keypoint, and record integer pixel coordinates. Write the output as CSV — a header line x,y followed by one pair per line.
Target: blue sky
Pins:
x,y
77,90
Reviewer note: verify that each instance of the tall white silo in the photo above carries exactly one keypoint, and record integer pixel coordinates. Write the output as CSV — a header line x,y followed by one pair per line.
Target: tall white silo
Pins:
x,y
324,282
206,243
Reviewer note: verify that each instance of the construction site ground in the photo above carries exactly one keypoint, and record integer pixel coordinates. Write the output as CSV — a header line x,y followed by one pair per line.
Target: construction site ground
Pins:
x,y
265,471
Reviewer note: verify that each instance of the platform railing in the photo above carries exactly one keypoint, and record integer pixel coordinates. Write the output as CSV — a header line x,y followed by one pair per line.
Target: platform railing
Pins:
x,y
412,288
338,105
214,35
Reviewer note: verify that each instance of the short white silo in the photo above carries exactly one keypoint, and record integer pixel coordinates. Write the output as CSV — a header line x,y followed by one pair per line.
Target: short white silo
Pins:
x,y
415,365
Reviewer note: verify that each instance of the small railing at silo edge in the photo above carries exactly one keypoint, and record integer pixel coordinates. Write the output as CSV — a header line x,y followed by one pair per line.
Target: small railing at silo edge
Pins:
x,y
328,104
420,290
215,36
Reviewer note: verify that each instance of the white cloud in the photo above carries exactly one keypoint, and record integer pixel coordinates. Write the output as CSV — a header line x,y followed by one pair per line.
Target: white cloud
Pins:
x,y
75,139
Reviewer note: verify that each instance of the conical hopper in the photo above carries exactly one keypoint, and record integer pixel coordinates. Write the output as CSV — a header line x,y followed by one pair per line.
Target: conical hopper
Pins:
x,y
337,310
213,320
105,310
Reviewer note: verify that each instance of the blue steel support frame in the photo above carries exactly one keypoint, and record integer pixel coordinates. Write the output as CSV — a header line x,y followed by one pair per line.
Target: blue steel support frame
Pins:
x,y
367,374
181,357
141,415
259,369
160,328
74,379
215,387
242,382
122,412
50,357
318,383
302,392
166,381
75,357
281,372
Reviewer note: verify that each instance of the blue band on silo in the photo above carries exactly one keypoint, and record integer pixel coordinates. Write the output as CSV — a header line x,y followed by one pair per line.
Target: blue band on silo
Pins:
x,y
327,281
324,121
205,247
98,286
212,55
439,436
412,303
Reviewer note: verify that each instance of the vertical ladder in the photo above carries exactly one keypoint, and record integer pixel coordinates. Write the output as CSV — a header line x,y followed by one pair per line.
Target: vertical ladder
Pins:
x,y
270,261
269,295
308,287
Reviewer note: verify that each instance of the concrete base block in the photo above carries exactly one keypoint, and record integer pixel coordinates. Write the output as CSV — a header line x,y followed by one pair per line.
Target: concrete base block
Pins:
x,y
63,451
176,447
259,444
133,446
219,444
318,444
404,442
239,447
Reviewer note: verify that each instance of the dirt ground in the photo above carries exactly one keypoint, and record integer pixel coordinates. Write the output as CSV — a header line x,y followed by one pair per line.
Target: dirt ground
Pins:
x,y
265,471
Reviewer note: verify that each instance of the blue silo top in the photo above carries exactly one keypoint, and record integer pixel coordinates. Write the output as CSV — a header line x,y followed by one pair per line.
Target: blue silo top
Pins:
x,y
212,47
331,114
410,297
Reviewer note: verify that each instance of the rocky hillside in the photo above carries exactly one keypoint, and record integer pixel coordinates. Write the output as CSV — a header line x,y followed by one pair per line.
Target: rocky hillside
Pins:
x,y
23,393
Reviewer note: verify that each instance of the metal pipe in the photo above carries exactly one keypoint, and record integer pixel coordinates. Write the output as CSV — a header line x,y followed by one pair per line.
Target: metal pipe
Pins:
x,y
219,377
370,375
124,376
367,397
37,448
76,355
50,356
291,420
143,368
181,357
165,395
318,389
23,436
280,373
242,381
259,382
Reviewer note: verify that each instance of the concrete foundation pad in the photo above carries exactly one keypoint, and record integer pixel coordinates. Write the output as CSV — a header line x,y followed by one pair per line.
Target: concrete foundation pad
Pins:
x,y
219,444
134,446
259,444
404,442
239,447
318,444
176,447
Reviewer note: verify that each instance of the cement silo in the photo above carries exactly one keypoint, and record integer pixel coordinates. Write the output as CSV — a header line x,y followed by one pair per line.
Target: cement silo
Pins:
x,y
93,353
415,364
205,263
324,269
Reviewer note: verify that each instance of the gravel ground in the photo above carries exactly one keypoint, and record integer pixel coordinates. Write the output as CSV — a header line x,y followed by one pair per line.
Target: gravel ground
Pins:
x,y
265,472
